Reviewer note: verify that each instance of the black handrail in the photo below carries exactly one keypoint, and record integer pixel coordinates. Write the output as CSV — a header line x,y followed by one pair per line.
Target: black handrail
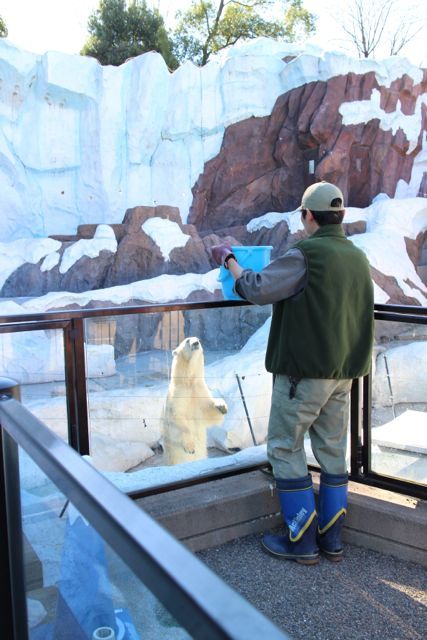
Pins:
x,y
118,311
401,309
204,605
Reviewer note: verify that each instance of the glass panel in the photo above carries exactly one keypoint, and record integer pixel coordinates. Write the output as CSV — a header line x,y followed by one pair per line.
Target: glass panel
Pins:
x,y
215,390
77,587
399,401
35,359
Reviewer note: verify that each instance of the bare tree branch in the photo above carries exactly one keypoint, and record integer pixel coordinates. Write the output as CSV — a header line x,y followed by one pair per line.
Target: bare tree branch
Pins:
x,y
368,23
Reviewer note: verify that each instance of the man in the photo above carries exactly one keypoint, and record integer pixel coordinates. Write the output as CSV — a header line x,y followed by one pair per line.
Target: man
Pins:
x,y
320,339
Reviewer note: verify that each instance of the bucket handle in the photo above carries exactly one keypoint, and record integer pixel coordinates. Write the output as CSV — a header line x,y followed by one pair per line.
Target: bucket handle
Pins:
x,y
223,274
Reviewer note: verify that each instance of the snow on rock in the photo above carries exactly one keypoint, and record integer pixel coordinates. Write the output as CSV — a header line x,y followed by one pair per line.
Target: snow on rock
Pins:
x,y
83,143
18,252
38,356
406,379
166,234
388,221
256,385
164,288
267,221
162,476
114,455
103,240
362,111
407,432
36,612
51,260
399,447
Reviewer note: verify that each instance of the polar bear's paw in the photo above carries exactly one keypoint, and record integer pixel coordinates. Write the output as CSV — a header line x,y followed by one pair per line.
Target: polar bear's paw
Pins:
x,y
189,445
221,406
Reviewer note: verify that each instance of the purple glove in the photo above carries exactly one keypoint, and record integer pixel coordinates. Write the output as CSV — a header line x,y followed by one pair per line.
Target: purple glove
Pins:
x,y
220,252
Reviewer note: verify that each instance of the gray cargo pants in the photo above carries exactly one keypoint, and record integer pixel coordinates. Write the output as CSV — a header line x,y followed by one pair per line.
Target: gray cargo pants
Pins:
x,y
319,407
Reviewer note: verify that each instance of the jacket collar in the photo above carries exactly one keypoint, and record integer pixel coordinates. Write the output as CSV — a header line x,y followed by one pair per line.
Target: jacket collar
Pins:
x,y
335,230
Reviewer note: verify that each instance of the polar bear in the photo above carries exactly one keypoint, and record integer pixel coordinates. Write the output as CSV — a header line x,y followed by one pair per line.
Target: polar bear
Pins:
x,y
190,407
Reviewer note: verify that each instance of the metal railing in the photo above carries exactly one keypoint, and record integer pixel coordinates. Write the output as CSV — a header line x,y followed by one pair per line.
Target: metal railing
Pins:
x,y
204,605
72,324
361,427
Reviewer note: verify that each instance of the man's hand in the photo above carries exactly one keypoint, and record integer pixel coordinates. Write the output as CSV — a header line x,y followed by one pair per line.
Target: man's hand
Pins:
x,y
220,252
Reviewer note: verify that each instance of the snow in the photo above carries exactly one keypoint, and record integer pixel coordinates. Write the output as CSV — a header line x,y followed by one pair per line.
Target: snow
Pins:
x,y
16,253
388,221
166,234
103,240
266,221
362,111
81,143
160,476
37,356
399,384
164,288
406,432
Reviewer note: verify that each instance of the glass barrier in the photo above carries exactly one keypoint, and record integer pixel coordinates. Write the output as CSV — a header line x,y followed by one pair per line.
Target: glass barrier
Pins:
x,y
35,360
76,585
132,391
95,566
399,401
188,386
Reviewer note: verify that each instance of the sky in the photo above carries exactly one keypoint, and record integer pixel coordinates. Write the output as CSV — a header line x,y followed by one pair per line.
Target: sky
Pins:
x,y
61,25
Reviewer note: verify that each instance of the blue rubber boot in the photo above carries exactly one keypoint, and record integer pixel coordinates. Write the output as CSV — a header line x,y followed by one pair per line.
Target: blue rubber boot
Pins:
x,y
299,514
332,512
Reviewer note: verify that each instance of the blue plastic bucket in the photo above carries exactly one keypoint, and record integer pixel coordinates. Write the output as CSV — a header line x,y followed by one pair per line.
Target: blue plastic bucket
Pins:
x,y
255,258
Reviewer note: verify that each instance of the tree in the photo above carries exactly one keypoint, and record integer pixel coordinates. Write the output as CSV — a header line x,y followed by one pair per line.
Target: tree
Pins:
x,y
369,24
3,28
209,26
120,30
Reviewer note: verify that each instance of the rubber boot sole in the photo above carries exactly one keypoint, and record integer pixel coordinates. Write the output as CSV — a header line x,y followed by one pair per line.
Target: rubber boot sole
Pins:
x,y
332,557
309,560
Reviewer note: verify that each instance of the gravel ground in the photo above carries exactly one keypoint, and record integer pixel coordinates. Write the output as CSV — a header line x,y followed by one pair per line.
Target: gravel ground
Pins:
x,y
368,596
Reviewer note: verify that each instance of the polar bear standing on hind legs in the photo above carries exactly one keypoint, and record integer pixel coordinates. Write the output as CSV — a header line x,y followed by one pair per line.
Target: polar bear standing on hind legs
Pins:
x,y
190,407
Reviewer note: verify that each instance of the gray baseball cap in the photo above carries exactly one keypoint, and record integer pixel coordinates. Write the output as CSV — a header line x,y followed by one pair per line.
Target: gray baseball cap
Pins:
x,y
318,197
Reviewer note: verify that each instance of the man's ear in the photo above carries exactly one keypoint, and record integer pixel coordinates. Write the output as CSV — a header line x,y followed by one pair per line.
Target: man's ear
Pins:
x,y
309,216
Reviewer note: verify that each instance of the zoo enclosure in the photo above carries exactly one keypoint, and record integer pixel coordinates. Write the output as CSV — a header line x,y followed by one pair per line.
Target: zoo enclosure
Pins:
x,y
162,326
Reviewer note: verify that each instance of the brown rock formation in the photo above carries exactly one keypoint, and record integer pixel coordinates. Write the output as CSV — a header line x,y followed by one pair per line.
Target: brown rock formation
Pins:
x,y
137,257
265,163
391,287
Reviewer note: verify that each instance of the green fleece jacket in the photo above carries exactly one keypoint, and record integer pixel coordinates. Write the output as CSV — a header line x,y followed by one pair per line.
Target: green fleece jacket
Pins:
x,y
325,330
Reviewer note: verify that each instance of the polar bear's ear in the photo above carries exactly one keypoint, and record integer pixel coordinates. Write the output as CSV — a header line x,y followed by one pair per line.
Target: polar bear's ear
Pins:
x,y
174,352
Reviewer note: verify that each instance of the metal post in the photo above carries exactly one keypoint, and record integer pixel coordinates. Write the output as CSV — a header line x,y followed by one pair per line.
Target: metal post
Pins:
x,y
246,409
13,602
367,424
76,388
355,428
9,389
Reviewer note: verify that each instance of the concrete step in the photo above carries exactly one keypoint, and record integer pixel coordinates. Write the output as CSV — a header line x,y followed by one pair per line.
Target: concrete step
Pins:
x,y
213,513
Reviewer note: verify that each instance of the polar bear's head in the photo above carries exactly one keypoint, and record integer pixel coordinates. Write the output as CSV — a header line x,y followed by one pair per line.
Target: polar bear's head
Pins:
x,y
188,349
188,362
